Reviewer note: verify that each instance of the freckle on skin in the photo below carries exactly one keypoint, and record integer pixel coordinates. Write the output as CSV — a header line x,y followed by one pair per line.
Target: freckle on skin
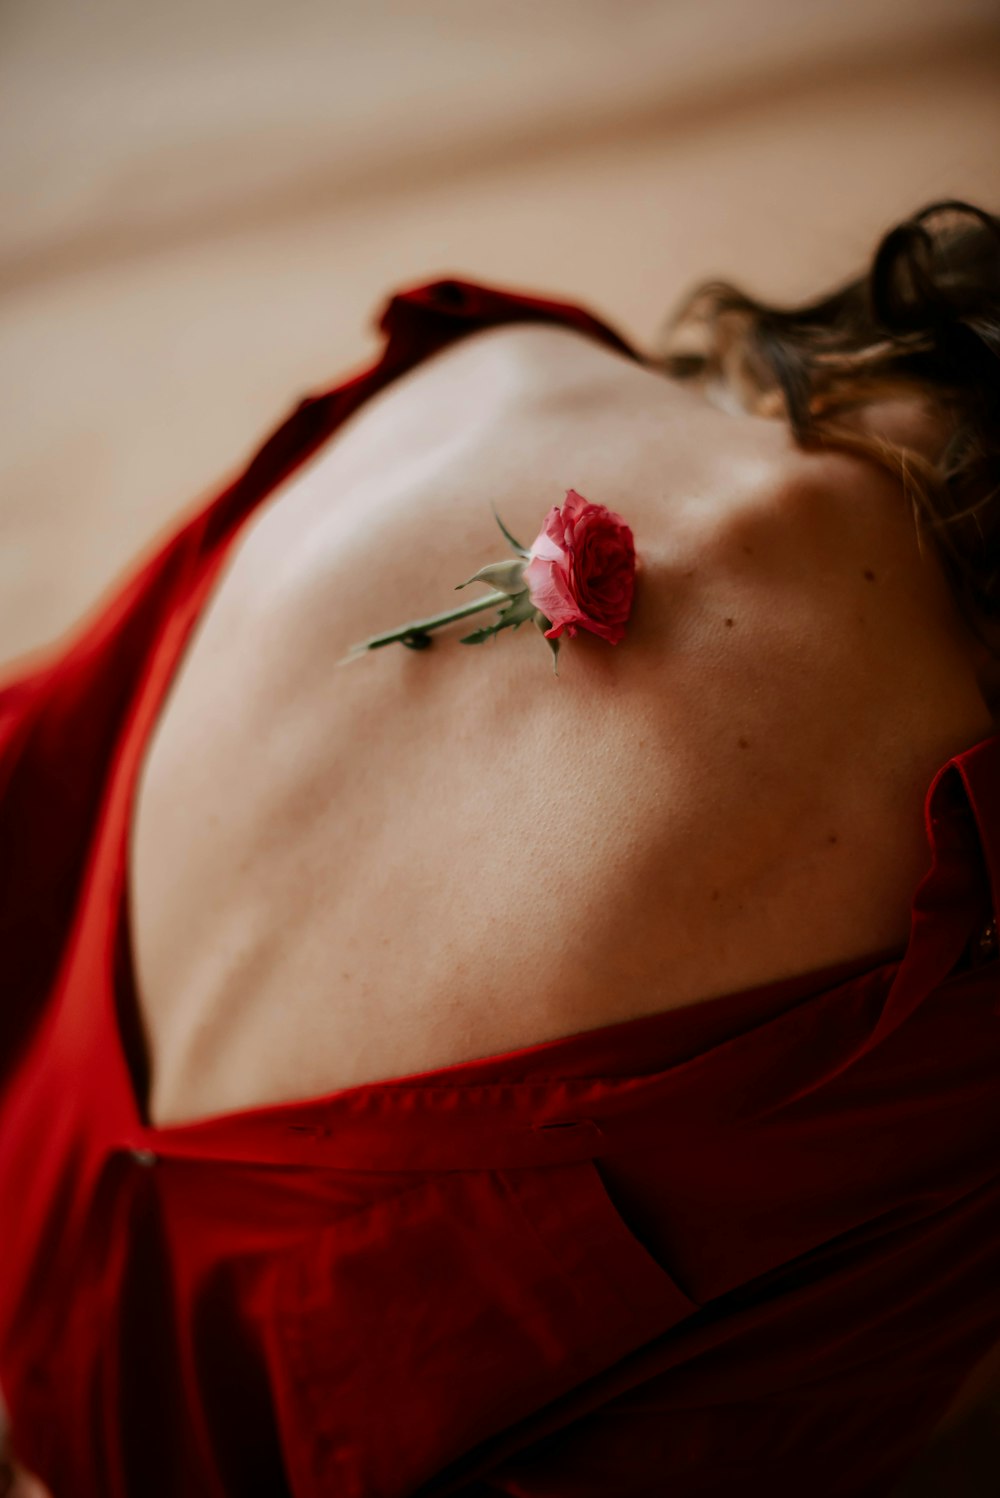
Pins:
x,y
748,550
869,574
743,743
833,838
729,623
344,974
715,894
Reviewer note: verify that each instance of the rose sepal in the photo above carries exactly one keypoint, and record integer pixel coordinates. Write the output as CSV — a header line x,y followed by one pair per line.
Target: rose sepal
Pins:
x,y
553,643
521,551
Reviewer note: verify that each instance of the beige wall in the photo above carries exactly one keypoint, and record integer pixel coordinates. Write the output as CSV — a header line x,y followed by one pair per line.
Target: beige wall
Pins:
x,y
202,206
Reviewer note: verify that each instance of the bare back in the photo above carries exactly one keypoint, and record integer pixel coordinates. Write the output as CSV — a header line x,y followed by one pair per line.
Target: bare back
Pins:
x,y
341,875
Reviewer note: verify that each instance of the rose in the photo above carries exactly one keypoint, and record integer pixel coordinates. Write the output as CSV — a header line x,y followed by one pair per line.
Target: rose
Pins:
x,y
581,570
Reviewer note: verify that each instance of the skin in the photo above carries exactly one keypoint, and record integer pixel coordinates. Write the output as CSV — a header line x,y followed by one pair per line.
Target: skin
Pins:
x,y
341,875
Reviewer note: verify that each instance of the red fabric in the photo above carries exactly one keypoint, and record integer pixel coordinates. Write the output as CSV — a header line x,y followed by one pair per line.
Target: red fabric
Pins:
x,y
749,1246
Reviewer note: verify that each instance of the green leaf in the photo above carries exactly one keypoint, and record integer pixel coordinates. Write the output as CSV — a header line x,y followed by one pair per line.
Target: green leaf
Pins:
x,y
489,629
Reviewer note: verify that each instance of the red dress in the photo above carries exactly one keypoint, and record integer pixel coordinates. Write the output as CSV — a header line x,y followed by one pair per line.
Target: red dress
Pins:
x,y
752,1245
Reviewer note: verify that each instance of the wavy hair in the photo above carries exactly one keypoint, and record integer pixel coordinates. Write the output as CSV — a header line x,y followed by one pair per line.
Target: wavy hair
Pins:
x,y
923,319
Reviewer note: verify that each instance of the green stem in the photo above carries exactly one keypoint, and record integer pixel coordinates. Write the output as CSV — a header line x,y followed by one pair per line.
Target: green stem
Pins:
x,y
421,626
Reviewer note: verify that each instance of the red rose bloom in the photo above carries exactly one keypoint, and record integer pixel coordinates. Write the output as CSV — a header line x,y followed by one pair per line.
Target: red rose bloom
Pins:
x,y
581,570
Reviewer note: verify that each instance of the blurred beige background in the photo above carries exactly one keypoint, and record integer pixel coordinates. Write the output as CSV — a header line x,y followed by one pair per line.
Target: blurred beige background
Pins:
x,y
203,205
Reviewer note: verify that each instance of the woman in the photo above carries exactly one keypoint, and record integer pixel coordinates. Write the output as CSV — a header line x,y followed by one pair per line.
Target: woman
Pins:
x,y
435,1076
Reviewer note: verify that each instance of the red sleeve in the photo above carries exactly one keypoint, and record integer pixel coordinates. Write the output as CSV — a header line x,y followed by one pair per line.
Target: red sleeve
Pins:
x,y
60,718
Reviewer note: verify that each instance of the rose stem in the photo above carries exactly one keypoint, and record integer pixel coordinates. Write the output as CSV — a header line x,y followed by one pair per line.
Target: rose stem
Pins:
x,y
422,625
